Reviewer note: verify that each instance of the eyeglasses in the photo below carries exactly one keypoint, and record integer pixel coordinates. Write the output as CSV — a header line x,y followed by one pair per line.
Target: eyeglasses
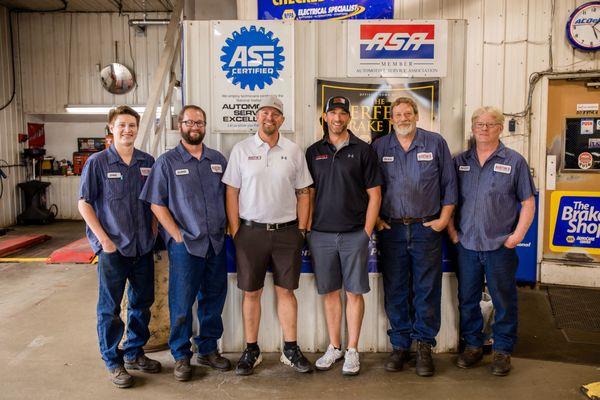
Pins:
x,y
189,123
481,125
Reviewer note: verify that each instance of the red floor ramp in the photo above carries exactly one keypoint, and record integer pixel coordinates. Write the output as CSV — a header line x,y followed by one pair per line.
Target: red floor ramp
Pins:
x,y
13,244
78,252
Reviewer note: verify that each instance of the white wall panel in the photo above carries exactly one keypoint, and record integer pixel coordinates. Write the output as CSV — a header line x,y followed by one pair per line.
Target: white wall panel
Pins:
x,y
63,192
11,123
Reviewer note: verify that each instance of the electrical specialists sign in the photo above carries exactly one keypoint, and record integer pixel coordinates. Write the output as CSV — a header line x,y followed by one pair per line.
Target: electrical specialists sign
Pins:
x,y
397,48
251,60
575,222
325,9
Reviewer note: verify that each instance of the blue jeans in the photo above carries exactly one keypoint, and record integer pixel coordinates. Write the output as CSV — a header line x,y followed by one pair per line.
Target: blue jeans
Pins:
x,y
114,270
411,252
499,268
191,278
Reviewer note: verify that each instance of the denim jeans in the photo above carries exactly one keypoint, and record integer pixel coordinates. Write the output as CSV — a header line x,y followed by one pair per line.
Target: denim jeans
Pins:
x,y
194,278
498,267
411,252
114,270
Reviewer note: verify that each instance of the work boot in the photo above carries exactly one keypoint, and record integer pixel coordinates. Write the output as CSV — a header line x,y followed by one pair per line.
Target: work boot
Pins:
x,y
469,357
396,360
120,377
144,364
425,365
214,360
500,364
183,370
295,359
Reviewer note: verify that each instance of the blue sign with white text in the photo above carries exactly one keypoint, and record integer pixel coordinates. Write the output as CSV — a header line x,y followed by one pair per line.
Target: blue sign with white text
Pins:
x,y
577,222
325,9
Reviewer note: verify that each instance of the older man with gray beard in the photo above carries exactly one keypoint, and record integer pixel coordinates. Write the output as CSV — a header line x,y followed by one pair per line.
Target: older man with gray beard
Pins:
x,y
419,195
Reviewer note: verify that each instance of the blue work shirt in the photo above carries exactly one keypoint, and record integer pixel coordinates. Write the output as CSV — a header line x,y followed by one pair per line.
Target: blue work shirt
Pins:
x,y
192,191
418,182
112,188
488,207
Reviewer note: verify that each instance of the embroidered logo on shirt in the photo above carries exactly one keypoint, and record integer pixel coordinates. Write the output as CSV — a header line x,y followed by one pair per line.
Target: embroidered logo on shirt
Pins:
x,y
464,168
424,156
254,157
388,159
216,168
114,175
321,157
503,169
182,172
145,171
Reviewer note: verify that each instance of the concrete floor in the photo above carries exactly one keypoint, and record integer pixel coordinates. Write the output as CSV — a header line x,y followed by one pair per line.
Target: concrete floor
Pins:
x,y
48,350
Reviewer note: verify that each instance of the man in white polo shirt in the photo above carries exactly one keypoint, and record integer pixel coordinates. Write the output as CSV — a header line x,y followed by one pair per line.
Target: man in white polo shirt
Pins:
x,y
267,207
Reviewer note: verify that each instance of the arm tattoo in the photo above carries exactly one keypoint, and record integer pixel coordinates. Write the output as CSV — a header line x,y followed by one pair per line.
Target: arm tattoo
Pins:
x,y
303,191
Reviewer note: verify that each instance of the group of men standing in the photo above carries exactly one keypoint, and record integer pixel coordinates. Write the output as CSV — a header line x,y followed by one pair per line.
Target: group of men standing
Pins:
x,y
273,196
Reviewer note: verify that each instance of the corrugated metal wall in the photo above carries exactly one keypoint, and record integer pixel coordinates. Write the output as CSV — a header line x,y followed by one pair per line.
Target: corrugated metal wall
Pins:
x,y
11,123
62,54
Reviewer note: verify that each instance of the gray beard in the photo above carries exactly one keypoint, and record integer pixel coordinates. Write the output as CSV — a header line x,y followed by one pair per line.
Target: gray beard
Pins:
x,y
402,131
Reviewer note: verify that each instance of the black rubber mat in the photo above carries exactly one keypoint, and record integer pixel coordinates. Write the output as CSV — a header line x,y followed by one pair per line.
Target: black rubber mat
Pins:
x,y
576,308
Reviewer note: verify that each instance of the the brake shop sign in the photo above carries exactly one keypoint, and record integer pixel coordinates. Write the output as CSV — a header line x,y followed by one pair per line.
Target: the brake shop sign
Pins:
x,y
575,223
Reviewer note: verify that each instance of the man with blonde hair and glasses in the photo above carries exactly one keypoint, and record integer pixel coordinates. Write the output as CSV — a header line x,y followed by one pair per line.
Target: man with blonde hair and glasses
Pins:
x,y
496,207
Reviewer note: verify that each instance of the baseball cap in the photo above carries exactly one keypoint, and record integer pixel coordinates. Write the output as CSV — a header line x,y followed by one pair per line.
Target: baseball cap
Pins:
x,y
271,101
338,102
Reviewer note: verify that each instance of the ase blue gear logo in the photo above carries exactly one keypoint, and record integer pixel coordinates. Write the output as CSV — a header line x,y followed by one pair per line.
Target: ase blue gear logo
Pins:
x,y
252,58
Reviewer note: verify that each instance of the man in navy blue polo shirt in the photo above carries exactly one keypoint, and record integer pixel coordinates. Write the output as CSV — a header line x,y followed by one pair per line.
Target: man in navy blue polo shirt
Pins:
x,y
345,202
120,230
419,195
188,199
494,181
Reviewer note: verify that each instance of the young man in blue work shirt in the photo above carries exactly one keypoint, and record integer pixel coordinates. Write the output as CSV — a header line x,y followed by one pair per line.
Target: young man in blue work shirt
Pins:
x,y
494,181
188,199
120,231
419,195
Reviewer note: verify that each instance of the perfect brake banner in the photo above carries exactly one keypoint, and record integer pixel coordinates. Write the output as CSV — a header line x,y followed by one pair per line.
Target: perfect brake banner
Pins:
x,y
325,9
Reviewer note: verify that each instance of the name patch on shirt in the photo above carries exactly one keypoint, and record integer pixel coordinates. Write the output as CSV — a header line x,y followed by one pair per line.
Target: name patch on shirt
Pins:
x,y
182,172
503,169
145,171
464,168
321,157
424,156
114,175
388,159
216,168
254,157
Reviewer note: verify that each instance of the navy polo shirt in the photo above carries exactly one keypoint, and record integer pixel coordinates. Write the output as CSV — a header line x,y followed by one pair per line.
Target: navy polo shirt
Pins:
x,y
192,191
341,179
418,182
488,208
112,188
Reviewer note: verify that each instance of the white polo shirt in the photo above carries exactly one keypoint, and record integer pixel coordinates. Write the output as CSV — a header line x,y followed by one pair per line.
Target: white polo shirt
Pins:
x,y
267,178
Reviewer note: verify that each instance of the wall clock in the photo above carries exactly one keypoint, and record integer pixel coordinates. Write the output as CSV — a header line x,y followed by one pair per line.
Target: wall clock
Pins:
x,y
583,27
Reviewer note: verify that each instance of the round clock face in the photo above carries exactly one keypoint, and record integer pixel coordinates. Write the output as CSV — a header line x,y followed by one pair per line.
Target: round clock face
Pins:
x,y
583,27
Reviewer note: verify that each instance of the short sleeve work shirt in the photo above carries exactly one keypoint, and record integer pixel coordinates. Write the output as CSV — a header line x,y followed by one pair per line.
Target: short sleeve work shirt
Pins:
x,y
489,201
419,181
267,178
112,188
342,178
191,189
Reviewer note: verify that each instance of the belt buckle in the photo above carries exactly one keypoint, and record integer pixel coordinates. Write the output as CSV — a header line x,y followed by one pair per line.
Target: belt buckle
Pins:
x,y
406,221
272,227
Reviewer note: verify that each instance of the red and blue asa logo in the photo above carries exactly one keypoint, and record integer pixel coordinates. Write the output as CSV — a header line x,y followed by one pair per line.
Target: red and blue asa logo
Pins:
x,y
397,41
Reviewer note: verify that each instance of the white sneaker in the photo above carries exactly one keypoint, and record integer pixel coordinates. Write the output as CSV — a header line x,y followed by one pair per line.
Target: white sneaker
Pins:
x,y
351,363
331,356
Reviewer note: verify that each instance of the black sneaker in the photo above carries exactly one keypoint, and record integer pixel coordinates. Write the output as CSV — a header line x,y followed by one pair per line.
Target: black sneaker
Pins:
x,y
247,362
469,357
144,364
214,360
183,370
396,360
120,377
501,364
425,365
295,359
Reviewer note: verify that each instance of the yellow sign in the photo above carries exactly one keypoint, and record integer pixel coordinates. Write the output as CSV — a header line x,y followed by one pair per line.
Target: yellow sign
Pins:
x,y
575,222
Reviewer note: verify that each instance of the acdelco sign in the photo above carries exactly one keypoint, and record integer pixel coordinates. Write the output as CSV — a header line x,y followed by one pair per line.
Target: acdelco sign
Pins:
x,y
397,41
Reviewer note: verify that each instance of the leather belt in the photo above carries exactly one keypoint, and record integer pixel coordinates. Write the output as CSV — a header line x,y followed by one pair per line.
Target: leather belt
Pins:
x,y
269,227
409,220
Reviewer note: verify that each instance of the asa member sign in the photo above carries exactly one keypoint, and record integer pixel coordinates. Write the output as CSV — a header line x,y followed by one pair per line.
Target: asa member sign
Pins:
x,y
575,222
397,48
251,60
